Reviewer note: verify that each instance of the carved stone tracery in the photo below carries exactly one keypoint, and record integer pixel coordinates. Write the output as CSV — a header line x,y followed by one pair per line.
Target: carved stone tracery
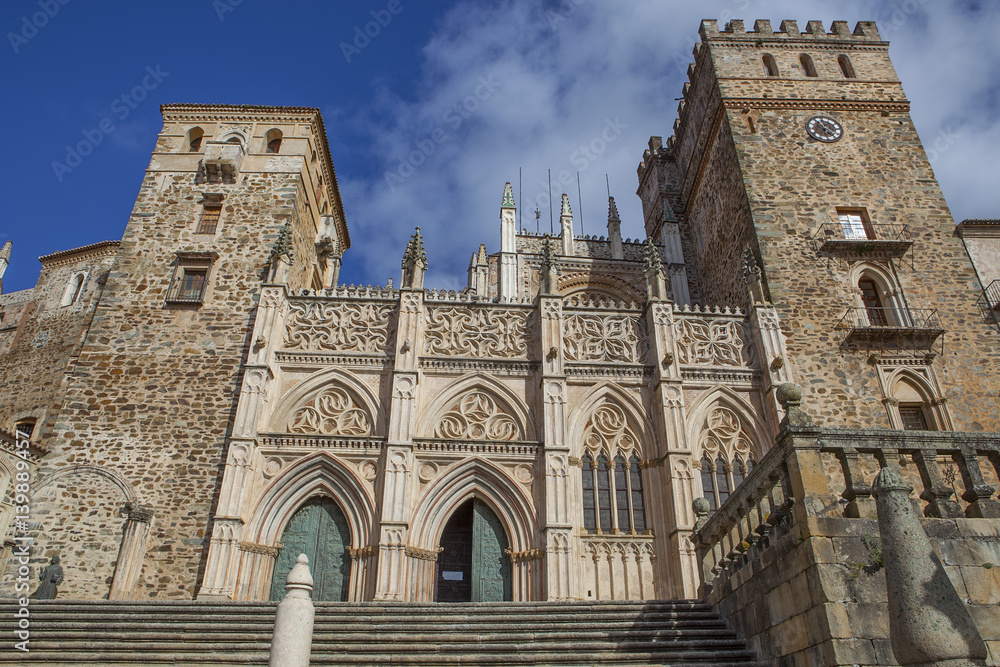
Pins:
x,y
339,327
724,435
477,416
475,332
603,338
332,412
715,342
608,431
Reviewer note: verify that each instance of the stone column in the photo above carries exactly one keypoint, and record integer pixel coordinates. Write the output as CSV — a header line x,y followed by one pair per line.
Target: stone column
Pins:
x,y
769,345
131,552
929,625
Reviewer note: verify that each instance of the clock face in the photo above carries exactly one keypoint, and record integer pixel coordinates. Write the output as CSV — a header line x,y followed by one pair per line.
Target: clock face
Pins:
x,y
824,128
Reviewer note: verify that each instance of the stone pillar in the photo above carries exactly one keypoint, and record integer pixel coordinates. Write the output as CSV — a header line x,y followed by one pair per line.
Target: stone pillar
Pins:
x,y
560,501
131,552
929,625
566,225
773,358
508,246
291,642
222,554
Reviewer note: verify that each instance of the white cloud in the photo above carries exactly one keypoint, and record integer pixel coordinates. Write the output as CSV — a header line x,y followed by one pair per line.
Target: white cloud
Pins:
x,y
532,86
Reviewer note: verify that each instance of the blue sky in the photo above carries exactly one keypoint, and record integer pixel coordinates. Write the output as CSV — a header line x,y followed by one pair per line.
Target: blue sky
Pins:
x,y
484,86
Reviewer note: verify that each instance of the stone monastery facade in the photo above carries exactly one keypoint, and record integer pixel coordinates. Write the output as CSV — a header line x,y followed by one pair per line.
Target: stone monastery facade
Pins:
x,y
206,400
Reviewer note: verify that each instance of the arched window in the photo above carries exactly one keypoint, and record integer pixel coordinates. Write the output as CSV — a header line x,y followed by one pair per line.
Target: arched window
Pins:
x,y
233,140
727,456
808,68
871,300
913,406
845,67
708,483
611,475
770,66
272,141
73,288
194,138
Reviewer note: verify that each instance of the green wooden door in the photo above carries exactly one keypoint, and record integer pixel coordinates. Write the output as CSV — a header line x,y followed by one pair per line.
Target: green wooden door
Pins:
x,y
490,565
319,530
472,565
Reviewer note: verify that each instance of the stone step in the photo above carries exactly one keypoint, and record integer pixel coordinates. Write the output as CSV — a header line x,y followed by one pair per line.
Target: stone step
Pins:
x,y
680,633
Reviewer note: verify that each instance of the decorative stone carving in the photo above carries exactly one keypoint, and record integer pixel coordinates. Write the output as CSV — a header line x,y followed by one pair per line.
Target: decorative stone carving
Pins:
x,y
475,332
254,548
338,327
477,416
368,470
603,338
422,554
272,467
522,473
715,342
428,470
724,434
608,431
332,412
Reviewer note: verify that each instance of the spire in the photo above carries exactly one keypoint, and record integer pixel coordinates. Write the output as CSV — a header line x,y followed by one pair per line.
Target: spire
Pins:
x,y
613,210
508,197
282,254
614,230
414,261
549,273
566,223
656,280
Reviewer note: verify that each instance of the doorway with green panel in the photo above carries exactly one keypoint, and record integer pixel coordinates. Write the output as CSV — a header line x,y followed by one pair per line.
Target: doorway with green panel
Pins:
x,y
473,565
319,530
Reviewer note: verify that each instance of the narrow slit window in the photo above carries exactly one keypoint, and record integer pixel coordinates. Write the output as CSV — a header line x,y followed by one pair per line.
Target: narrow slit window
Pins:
x,y
846,68
770,66
708,483
603,494
621,494
587,476
638,506
808,68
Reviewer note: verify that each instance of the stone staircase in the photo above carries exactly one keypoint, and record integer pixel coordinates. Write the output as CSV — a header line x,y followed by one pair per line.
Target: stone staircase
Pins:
x,y
678,633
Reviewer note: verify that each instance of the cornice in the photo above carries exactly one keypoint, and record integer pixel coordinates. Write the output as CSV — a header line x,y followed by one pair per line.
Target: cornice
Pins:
x,y
815,104
63,257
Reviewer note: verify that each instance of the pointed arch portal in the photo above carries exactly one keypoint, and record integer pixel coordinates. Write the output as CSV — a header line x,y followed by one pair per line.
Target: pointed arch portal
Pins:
x,y
473,565
319,530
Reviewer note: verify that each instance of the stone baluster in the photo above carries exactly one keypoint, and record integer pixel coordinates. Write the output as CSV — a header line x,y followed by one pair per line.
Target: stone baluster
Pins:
x,y
857,493
978,493
291,642
928,622
939,496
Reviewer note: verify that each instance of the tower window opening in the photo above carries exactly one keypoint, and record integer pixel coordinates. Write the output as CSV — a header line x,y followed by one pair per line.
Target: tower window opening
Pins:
x,y
770,66
872,302
846,68
194,139
913,417
808,68
25,428
209,222
73,289
272,141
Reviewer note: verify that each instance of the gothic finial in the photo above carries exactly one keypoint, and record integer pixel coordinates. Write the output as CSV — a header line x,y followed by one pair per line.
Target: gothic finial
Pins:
x,y
415,254
283,246
565,205
548,256
613,210
651,256
751,267
508,197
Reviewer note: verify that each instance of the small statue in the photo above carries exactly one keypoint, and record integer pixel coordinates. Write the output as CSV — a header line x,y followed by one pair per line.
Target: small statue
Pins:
x,y
50,577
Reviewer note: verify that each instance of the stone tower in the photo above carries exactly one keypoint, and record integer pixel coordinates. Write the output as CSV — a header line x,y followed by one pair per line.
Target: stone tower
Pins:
x,y
797,148
233,196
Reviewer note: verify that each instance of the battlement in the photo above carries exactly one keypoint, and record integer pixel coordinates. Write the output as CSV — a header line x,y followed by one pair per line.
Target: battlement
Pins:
x,y
864,31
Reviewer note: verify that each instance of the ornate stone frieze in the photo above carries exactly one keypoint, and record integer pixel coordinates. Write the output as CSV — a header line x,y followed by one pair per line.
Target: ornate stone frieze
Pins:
x,y
603,338
718,342
423,554
477,416
524,556
363,552
339,326
254,548
506,449
481,332
332,412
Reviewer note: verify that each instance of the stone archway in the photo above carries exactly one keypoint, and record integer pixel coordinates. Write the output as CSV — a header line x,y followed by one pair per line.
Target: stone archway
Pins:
x,y
320,530
473,563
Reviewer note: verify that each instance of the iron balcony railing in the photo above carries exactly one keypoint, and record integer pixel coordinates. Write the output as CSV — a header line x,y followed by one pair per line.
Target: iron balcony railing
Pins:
x,y
989,300
891,327
851,239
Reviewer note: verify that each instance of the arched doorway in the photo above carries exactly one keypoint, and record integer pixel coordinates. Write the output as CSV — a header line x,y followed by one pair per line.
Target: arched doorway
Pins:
x,y
319,530
472,565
